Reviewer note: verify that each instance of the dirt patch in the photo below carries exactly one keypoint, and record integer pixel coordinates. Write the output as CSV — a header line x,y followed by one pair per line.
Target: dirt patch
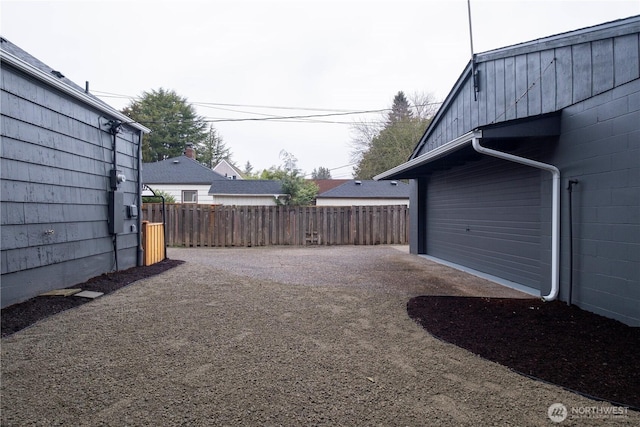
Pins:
x,y
561,344
22,315
271,336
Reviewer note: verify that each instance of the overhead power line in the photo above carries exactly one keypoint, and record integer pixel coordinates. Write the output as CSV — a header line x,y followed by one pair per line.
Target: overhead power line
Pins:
x,y
103,94
298,119
308,116
268,117
272,107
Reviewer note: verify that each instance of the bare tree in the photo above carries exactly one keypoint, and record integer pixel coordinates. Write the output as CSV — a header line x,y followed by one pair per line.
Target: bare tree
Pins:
x,y
380,145
424,105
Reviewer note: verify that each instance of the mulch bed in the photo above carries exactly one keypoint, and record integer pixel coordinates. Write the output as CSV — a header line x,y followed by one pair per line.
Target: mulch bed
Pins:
x,y
564,345
19,316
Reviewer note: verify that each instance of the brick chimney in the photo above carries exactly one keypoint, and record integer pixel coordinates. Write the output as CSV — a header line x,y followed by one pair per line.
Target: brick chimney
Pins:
x,y
190,152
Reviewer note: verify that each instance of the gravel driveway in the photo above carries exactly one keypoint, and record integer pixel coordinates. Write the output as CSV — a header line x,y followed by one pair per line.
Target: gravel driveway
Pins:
x,y
269,336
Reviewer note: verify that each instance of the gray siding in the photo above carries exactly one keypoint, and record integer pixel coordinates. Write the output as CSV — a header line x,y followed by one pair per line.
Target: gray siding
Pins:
x,y
518,83
54,163
486,215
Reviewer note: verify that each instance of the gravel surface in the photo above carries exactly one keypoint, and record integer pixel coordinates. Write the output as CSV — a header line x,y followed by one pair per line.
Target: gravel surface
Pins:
x,y
270,336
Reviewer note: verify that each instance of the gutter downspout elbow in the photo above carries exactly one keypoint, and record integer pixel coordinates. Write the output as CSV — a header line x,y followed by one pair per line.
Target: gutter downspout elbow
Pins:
x,y
555,208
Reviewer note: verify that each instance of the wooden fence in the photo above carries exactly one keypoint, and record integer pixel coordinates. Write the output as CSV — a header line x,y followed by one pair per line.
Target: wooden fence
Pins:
x,y
153,242
203,225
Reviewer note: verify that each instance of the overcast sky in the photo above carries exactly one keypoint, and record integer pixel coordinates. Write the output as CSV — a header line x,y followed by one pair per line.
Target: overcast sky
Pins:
x,y
297,55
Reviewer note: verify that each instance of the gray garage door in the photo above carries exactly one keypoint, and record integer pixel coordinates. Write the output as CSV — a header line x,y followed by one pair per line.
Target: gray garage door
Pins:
x,y
485,215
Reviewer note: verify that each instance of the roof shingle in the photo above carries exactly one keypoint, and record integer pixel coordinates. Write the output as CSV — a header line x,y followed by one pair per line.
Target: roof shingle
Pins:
x,y
178,170
369,189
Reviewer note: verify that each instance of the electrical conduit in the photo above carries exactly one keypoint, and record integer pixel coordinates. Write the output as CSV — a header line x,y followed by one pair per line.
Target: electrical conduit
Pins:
x,y
555,209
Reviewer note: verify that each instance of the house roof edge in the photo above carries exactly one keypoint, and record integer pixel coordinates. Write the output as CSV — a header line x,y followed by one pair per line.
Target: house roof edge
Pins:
x,y
50,80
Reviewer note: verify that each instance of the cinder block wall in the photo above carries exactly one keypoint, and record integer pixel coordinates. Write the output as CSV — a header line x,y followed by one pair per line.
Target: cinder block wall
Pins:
x,y
600,147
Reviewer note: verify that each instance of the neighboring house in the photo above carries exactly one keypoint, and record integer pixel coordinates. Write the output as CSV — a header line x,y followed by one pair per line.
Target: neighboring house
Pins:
x,y
182,177
225,169
327,184
70,183
247,192
571,102
365,193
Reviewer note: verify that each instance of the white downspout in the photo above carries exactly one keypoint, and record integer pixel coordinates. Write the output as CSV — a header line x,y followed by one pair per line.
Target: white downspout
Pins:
x,y
555,209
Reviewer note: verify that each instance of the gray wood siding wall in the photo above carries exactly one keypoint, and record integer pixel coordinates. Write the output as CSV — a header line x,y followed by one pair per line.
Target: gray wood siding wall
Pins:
x,y
55,164
527,83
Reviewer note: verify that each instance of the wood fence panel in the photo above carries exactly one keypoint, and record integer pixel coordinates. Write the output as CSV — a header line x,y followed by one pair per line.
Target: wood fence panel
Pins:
x,y
362,210
179,226
265,225
172,224
332,228
187,228
227,226
388,229
324,233
192,225
197,226
152,242
222,229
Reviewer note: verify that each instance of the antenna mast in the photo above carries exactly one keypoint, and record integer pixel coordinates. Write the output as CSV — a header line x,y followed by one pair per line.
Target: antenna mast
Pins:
x,y
474,72
470,29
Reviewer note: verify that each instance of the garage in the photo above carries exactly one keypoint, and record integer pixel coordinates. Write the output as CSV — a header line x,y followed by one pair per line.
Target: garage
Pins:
x,y
528,172
485,215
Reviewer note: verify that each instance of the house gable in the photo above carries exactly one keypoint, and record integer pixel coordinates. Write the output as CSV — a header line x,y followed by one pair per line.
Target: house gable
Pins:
x,y
538,77
225,169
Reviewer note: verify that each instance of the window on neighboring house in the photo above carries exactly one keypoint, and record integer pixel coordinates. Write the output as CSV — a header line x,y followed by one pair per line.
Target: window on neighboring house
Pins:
x,y
189,196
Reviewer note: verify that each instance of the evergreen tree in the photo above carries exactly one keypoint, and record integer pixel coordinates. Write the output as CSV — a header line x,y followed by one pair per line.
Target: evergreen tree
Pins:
x,y
380,148
400,110
173,123
248,169
321,173
391,147
213,150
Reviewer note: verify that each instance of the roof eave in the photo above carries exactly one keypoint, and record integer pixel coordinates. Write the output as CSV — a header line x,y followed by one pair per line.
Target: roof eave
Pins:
x,y
177,183
63,87
373,197
466,74
444,150
247,195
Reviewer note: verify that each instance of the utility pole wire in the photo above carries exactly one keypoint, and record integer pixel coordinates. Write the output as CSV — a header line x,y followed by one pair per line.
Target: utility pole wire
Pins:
x,y
215,105
256,119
